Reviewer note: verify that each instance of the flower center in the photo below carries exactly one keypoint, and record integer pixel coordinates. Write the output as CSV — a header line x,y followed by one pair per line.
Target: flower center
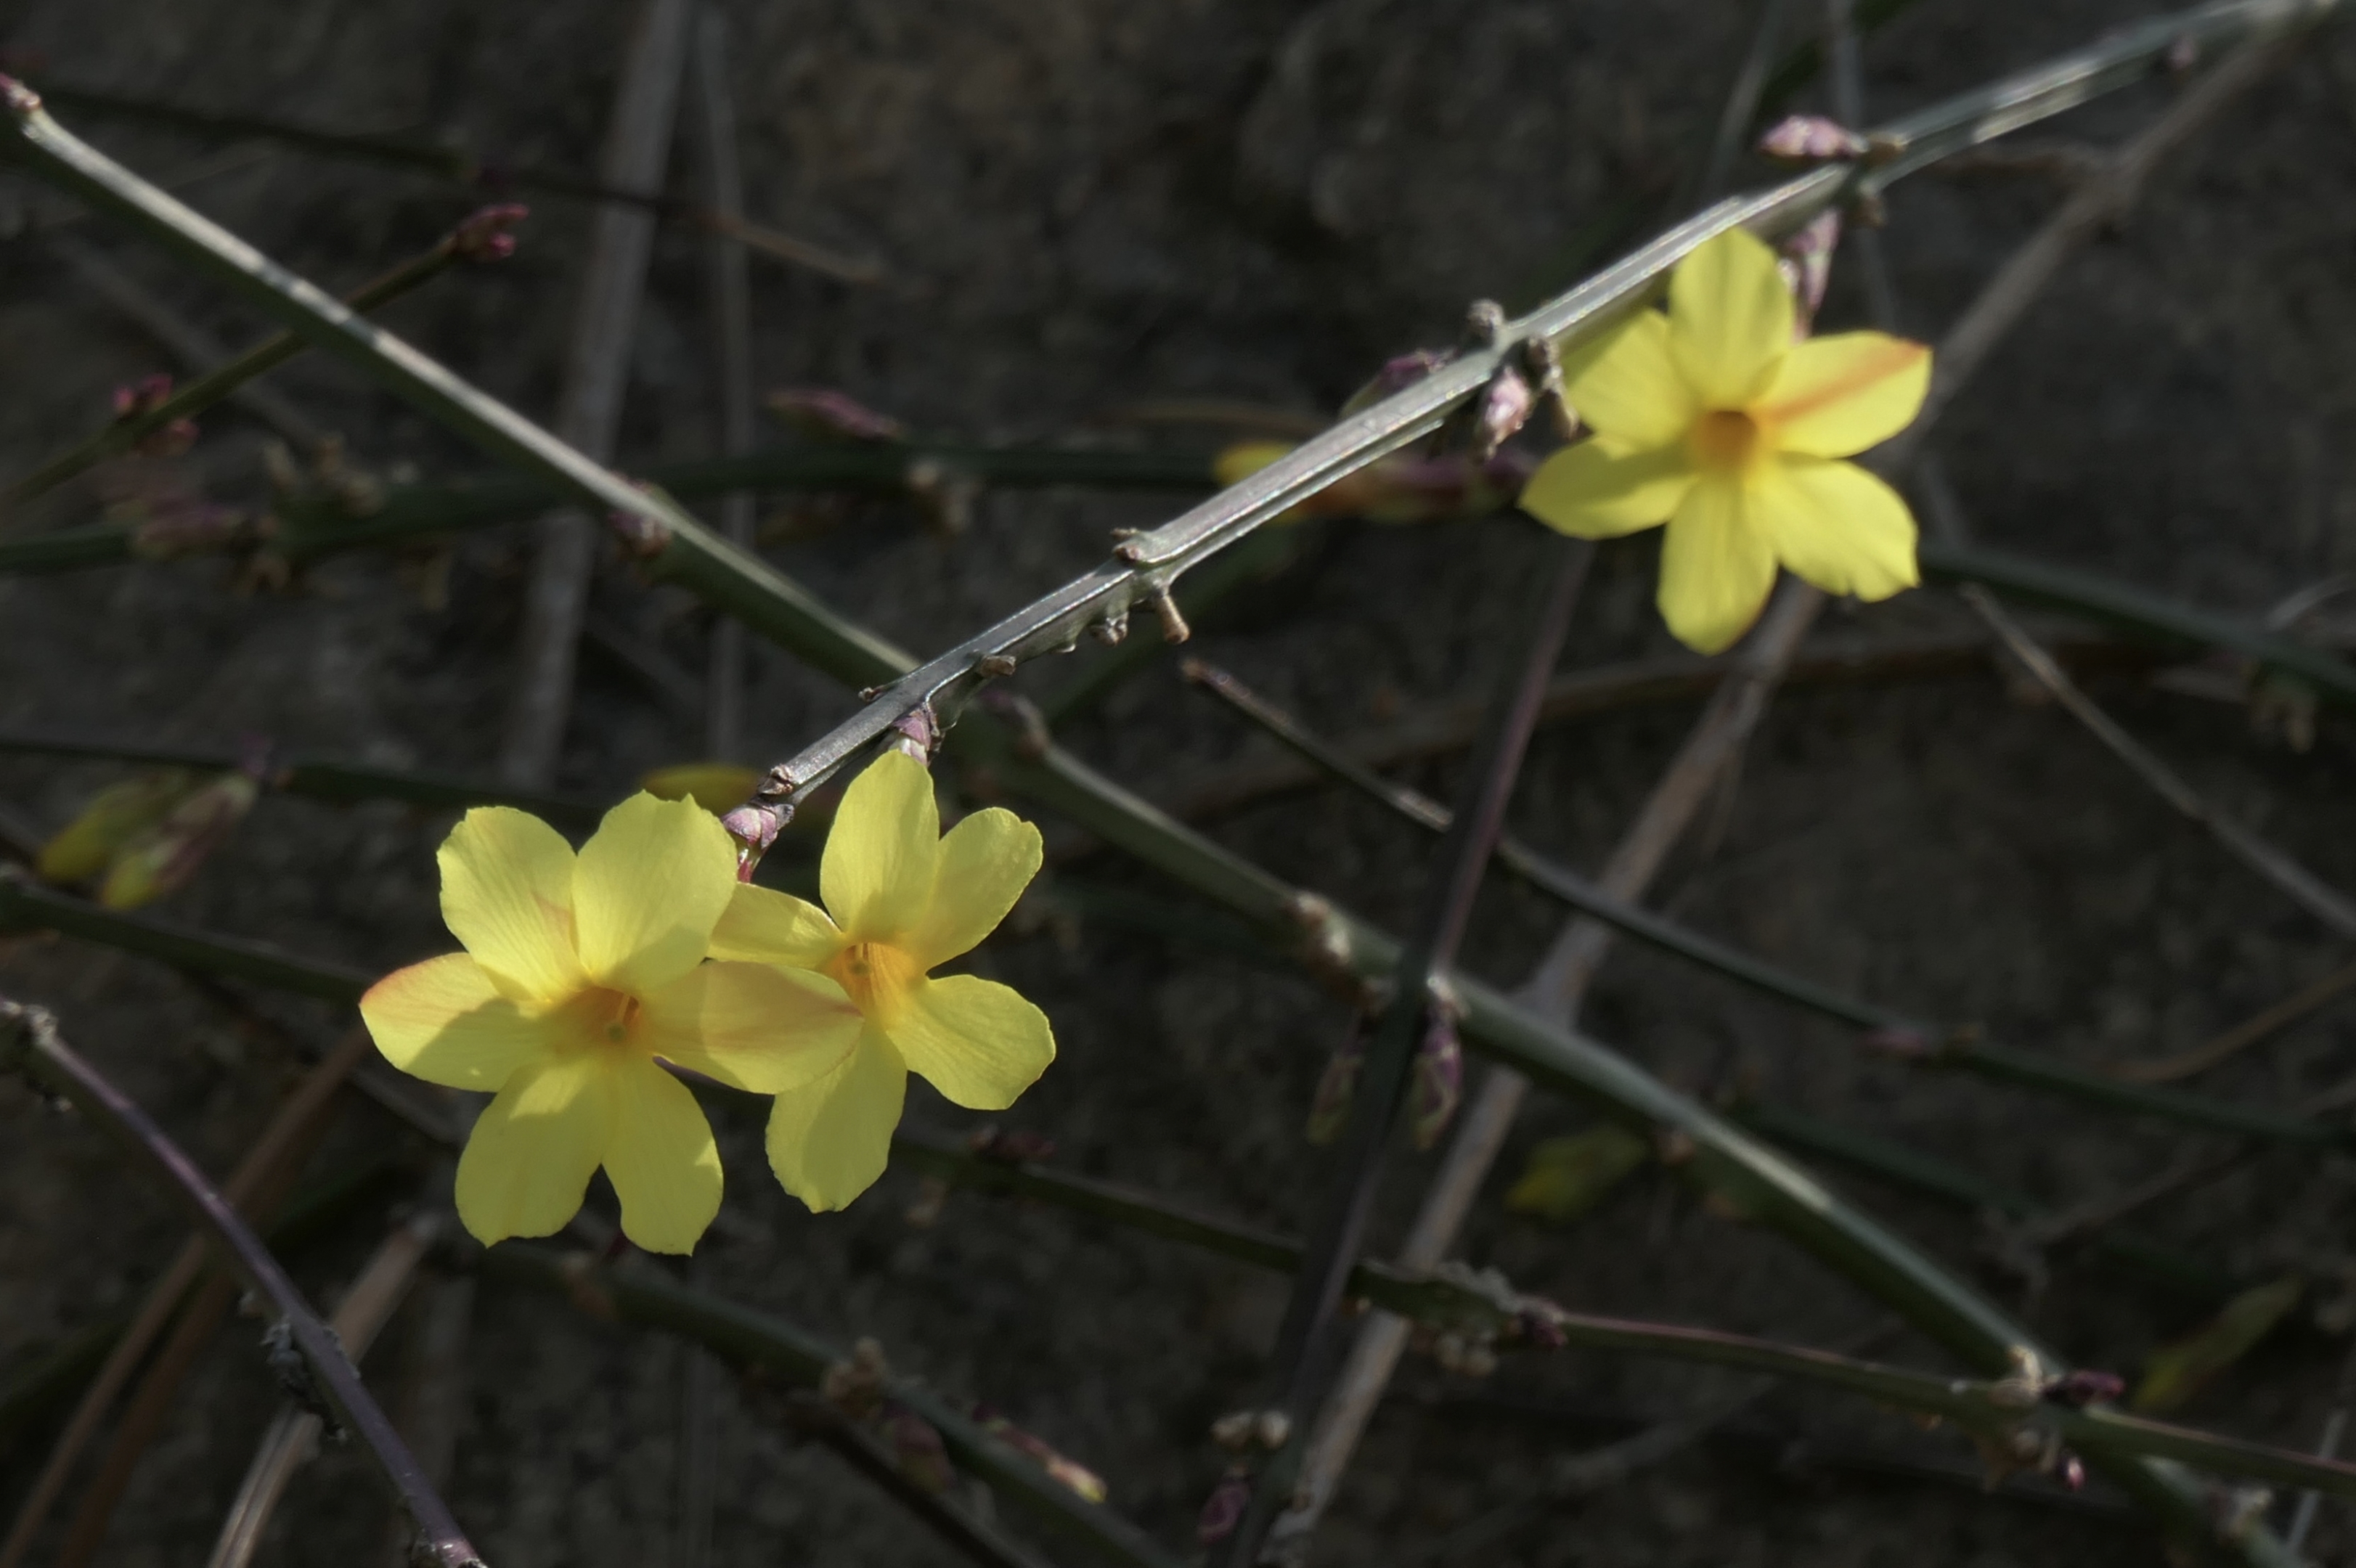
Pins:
x,y
877,977
600,1016
1724,440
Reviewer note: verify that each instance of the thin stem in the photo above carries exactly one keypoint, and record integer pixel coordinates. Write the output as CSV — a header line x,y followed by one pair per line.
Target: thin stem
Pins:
x,y
596,372
1931,1045
975,1538
2291,1009
32,1037
730,298
317,778
26,905
1306,1336
467,241
292,1439
1468,1303
1740,110
758,1344
442,161
268,1167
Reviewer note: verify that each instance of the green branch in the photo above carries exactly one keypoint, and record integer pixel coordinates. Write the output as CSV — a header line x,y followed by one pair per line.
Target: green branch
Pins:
x,y
758,1344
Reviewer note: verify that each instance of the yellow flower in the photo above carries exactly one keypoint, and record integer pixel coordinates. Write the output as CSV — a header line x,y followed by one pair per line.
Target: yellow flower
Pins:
x,y
900,899
579,973
1712,420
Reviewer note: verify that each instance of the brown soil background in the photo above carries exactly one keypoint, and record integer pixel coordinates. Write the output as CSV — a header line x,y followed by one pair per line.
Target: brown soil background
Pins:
x,y
1082,203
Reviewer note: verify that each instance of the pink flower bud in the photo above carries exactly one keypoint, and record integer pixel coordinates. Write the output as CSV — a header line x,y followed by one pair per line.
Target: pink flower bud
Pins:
x,y
1437,1087
1399,372
830,415
1810,139
923,1457
1499,412
482,235
1805,259
1224,1509
755,825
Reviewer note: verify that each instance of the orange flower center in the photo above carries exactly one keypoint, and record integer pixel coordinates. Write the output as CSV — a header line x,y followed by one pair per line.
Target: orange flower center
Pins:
x,y
600,1016
1724,440
877,977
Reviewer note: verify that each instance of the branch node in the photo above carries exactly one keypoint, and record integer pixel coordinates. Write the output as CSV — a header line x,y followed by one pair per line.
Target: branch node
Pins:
x,y
295,1379
1110,627
1166,609
992,666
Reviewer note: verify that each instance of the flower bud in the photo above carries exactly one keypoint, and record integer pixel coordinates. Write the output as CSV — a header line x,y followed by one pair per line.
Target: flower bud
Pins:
x,y
143,397
159,862
1499,412
924,1459
1399,372
114,816
1438,1086
1061,1468
1805,259
1810,139
483,234
828,415
1329,1110
1224,1509
755,827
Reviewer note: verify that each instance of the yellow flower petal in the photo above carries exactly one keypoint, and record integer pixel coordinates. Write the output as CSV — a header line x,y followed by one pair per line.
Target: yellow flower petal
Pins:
x,y
877,873
829,1141
762,925
1837,526
750,1025
533,1150
1599,489
1839,395
977,1042
1729,318
1716,567
985,861
661,1159
444,1022
1632,389
507,896
651,884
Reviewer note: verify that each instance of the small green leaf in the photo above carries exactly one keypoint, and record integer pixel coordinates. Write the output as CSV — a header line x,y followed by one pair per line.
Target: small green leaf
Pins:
x,y
2175,1372
1569,1176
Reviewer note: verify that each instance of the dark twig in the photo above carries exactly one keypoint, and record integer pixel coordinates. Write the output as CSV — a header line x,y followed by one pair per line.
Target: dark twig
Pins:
x,y
31,1037
1555,989
317,778
182,339
731,303
442,161
1740,110
1304,1342
261,1178
2210,1054
470,240
292,1439
762,1346
1907,1038
978,1540
596,372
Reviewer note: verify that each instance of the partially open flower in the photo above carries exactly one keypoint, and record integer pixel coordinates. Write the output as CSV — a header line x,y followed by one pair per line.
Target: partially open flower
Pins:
x,y
581,974
900,900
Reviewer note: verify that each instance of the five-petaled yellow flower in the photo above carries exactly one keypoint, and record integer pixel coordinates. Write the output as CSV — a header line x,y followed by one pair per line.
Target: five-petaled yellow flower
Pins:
x,y
900,899
1711,419
580,971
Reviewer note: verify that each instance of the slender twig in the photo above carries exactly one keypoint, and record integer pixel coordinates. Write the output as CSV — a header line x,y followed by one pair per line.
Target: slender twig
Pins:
x,y
1423,731
470,240
1554,991
1740,110
2334,1425
433,1388
2210,1054
31,1037
1305,1338
317,778
444,161
1806,58
731,302
1909,1039
181,339
596,373
2292,880
292,1439
268,1168
975,1537
25,905
761,1345
307,527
